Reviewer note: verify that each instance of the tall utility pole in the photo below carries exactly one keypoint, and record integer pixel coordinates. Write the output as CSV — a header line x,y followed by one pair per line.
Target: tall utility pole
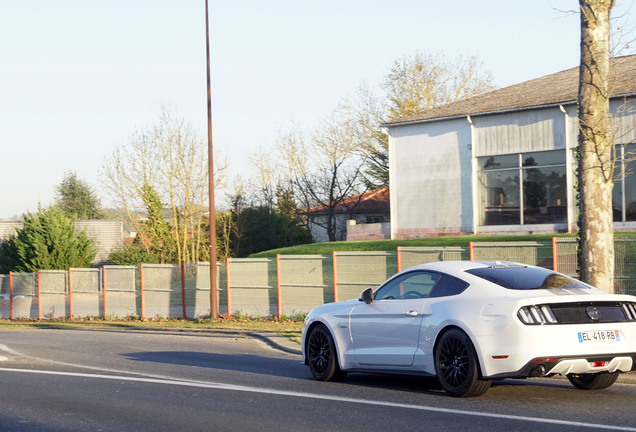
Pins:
x,y
214,307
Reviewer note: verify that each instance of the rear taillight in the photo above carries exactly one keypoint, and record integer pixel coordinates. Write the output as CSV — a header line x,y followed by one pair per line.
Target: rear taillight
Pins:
x,y
536,315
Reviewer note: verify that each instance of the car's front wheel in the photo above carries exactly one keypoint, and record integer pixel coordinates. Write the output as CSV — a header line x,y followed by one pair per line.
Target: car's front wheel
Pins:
x,y
321,355
592,381
456,365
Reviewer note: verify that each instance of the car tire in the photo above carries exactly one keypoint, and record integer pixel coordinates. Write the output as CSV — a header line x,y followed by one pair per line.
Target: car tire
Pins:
x,y
322,357
592,381
457,367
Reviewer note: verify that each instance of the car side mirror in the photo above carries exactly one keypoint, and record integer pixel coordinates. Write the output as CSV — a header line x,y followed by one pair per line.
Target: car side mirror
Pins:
x,y
366,296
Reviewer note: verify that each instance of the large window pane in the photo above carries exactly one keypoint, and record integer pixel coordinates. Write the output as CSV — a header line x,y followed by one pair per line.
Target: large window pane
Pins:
x,y
544,188
544,195
500,197
617,190
499,162
630,183
617,201
555,157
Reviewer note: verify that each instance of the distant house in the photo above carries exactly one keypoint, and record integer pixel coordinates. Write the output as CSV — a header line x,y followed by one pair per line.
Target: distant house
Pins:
x,y
504,162
369,209
9,227
107,235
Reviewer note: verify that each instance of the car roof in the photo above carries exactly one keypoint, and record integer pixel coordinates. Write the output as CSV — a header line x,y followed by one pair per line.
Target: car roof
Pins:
x,y
453,266
459,268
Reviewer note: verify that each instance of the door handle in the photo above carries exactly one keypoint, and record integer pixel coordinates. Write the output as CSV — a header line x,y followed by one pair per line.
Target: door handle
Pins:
x,y
411,313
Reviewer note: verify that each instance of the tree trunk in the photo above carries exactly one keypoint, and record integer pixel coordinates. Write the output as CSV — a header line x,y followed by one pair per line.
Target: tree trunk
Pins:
x,y
596,147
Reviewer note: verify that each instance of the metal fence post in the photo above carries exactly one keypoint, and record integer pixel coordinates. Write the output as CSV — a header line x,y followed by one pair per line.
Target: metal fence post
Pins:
x,y
228,281
183,293
104,290
335,276
70,293
11,295
39,297
278,287
142,299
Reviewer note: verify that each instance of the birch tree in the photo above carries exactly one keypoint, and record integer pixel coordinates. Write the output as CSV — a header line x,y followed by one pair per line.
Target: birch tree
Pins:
x,y
596,146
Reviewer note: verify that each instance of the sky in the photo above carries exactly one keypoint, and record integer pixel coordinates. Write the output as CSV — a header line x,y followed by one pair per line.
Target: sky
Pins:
x,y
79,77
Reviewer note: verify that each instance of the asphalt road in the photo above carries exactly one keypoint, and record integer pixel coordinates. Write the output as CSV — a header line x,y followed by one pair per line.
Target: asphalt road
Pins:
x,y
81,380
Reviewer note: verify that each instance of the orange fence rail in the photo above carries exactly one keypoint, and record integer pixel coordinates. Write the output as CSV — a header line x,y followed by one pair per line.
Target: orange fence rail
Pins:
x,y
282,286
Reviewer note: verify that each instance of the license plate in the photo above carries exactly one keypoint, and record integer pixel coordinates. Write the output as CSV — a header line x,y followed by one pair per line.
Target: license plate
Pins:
x,y
599,336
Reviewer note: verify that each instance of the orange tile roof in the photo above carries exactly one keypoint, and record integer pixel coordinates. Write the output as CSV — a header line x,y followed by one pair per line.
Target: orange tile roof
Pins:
x,y
372,201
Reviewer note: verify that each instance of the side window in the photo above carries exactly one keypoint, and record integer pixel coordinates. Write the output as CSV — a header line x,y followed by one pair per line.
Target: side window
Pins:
x,y
448,286
412,285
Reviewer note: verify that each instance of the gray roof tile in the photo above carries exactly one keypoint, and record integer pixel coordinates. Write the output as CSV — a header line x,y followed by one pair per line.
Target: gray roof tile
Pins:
x,y
558,88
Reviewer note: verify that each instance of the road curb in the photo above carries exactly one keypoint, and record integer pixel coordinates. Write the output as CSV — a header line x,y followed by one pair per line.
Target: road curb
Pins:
x,y
278,342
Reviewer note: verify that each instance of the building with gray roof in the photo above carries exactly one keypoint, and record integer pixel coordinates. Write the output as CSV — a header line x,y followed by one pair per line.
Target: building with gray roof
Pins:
x,y
504,161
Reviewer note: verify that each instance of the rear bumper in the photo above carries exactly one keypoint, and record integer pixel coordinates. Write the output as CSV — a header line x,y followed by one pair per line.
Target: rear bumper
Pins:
x,y
548,366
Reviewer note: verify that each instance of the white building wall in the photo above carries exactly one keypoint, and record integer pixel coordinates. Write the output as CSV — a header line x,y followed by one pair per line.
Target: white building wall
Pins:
x,y
433,165
430,179
319,232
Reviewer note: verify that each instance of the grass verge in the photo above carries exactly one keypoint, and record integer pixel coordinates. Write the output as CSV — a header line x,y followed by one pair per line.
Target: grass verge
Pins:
x,y
291,329
391,245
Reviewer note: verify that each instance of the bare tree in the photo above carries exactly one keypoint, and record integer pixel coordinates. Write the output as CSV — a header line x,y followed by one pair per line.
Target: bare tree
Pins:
x,y
171,159
225,229
126,173
367,114
413,84
326,172
596,146
267,177
426,81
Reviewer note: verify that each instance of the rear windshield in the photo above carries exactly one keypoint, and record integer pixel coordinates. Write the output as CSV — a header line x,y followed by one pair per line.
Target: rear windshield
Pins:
x,y
526,278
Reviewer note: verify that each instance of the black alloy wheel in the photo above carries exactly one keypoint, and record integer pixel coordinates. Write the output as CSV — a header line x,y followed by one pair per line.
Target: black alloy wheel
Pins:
x,y
456,365
321,355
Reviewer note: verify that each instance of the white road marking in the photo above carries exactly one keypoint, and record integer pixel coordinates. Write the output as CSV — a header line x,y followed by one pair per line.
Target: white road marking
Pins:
x,y
271,391
159,379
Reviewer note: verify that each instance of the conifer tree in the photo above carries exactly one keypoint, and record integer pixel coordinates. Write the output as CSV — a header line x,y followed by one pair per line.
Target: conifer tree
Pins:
x,y
76,198
47,241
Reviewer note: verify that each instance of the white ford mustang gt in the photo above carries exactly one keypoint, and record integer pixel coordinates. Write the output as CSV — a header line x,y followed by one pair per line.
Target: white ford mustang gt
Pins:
x,y
469,323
